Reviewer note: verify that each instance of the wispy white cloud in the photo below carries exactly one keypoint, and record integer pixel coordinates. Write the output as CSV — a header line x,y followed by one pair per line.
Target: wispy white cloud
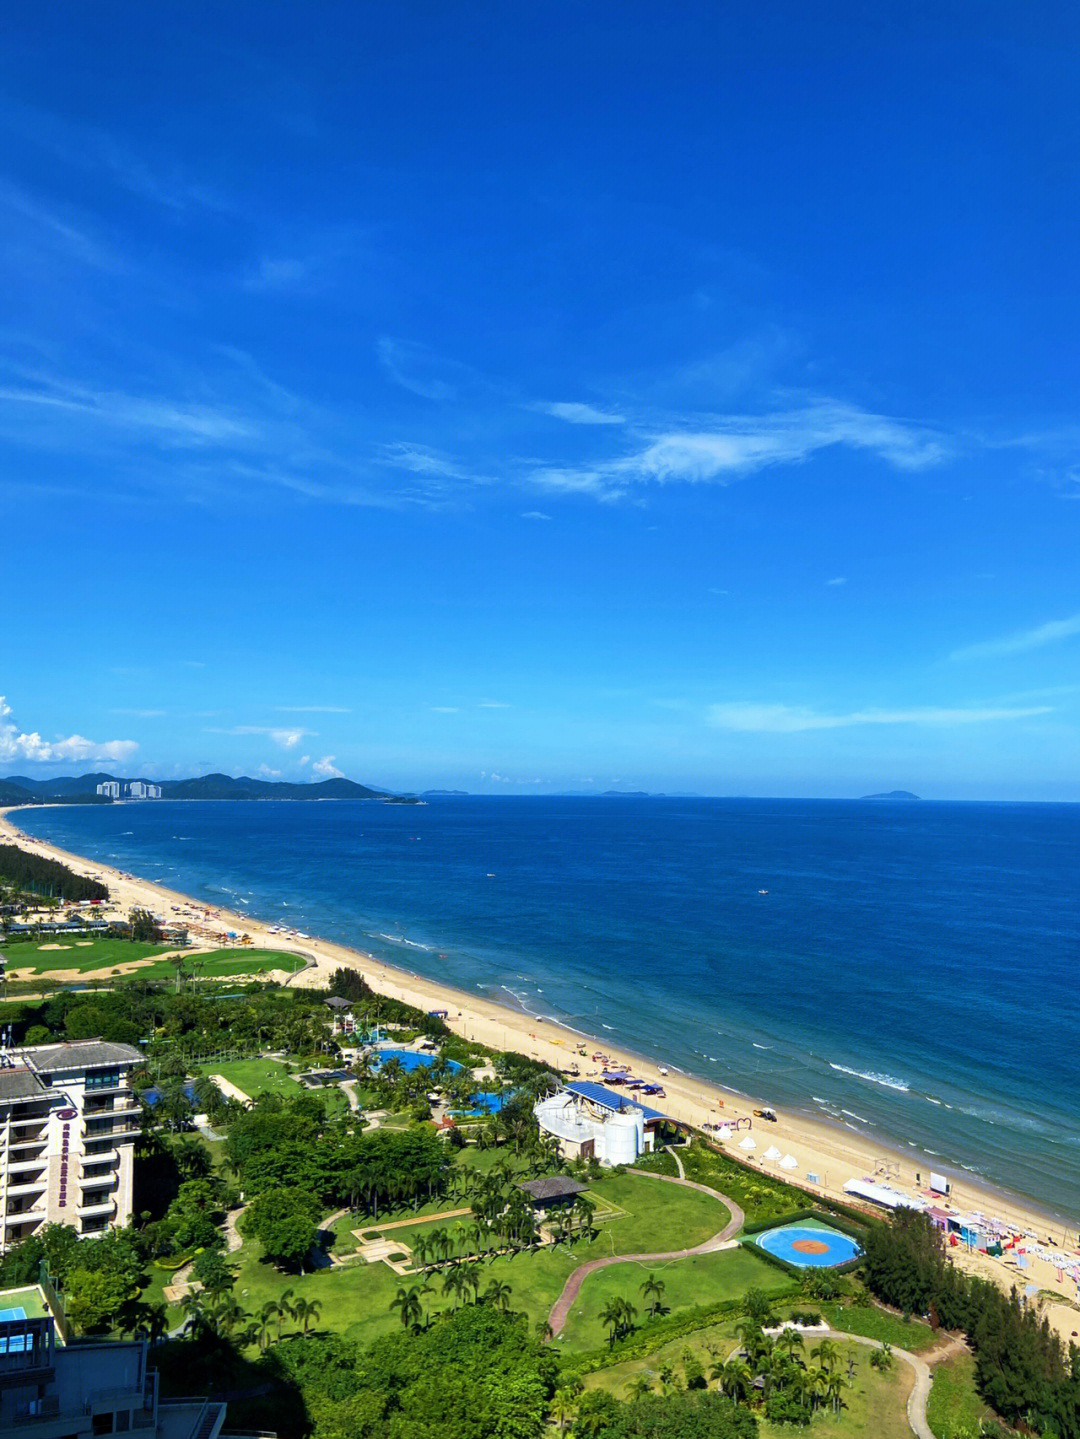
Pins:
x,y
327,768
839,580
535,515
141,714
494,705
15,744
580,414
445,709
312,710
1021,641
267,772
419,369
739,444
286,738
786,719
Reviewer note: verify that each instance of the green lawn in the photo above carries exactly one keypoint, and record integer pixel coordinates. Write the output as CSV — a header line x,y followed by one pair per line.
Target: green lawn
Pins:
x,y
101,957
875,1405
78,953
257,1076
688,1284
954,1400
225,963
356,1297
874,1323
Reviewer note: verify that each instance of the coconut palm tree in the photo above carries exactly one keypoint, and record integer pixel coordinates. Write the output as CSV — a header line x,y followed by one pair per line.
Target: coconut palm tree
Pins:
x,y
787,1341
640,1386
611,1319
498,1294
285,1310
827,1354
563,1405
653,1288
272,1312
407,1303
455,1283
307,1311
736,1379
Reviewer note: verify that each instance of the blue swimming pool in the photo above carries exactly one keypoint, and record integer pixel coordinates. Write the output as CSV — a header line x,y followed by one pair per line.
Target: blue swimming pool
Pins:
x,y
409,1059
809,1247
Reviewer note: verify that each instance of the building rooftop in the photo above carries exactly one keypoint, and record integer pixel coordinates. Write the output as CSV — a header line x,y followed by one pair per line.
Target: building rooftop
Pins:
x,y
20,1084
336,1002
553,1186
79,1054
609,1099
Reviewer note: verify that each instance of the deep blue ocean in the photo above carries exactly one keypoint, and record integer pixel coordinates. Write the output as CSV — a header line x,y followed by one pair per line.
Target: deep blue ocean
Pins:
x,y
914,968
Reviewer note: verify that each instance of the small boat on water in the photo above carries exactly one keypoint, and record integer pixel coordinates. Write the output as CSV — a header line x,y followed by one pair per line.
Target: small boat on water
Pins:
x,y
763,891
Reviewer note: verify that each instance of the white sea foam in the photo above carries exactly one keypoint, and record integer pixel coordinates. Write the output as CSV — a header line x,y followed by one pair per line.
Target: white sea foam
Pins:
x,y
886,1080
852,1115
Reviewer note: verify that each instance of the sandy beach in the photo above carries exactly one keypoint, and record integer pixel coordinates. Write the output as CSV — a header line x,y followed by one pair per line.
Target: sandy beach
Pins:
x,y
833,1153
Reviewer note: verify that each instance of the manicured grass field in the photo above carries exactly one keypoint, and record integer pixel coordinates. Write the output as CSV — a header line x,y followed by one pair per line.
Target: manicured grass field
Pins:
x,y
954,1401
225,963
876,1323
688,1284
97,958
257,1076
760,1195
78,954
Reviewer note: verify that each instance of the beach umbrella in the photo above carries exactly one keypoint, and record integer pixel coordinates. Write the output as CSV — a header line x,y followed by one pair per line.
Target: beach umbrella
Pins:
x,y
771,1153
748,1143
789,1162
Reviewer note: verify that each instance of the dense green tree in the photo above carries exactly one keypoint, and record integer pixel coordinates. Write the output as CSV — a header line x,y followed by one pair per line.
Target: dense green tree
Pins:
x,y
283,1220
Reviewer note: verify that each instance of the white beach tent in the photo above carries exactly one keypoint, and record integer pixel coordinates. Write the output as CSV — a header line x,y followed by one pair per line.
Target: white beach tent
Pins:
x,y
771,1153
789,1162
748,1143
725,1133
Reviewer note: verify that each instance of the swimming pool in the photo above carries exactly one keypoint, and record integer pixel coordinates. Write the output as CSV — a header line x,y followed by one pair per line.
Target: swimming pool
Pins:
x,y
409,1059
809,1247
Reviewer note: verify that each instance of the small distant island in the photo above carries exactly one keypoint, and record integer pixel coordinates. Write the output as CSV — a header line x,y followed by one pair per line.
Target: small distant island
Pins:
x,y
893,794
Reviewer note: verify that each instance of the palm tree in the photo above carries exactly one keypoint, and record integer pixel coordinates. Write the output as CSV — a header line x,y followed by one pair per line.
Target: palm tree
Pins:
x,y
640,1386
736,1378
307,1311
498,1294
286,1310
407,1303
653,1288
611,1319
270,1312
472,1278
562,1407
827,1353
833,1391
455,1283
787,1341
421,1248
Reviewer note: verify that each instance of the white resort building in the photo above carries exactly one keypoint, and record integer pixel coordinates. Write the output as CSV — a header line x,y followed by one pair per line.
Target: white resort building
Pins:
x,y
592,1122
68,1124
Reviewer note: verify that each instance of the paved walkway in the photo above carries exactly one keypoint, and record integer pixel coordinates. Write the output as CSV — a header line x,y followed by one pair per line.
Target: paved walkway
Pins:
x,y
677,1158
723,1239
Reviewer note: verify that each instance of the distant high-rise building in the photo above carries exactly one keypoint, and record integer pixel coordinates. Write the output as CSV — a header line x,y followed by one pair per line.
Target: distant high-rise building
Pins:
x,y
110,787
139,789
68,1125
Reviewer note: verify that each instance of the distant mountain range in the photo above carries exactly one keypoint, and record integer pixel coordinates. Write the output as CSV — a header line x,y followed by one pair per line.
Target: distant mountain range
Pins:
x,y
18,789
893,794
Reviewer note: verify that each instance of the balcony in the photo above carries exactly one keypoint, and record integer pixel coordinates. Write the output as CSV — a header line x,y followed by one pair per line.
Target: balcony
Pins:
x,y
37,1135
25,1161
28,1185
104,1206
105,1183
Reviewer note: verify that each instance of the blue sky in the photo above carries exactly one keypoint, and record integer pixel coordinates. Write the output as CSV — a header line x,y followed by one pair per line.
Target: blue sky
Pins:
x,y
526,398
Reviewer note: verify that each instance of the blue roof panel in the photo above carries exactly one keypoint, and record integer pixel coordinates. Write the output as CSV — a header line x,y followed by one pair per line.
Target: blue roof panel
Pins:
x,y
610,1098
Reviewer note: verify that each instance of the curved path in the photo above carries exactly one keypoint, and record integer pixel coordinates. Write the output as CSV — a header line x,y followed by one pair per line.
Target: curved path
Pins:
x,y
722,1240
920,1393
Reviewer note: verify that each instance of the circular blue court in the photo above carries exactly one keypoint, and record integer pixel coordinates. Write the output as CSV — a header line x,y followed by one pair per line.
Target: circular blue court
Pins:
x,y
809,1248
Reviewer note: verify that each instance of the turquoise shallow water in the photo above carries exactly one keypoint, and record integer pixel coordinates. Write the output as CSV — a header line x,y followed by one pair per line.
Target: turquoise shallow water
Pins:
x,y
912,969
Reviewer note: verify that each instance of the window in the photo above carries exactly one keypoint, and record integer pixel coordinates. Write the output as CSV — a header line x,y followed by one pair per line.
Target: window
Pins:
x,y
104,1423
103,1079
